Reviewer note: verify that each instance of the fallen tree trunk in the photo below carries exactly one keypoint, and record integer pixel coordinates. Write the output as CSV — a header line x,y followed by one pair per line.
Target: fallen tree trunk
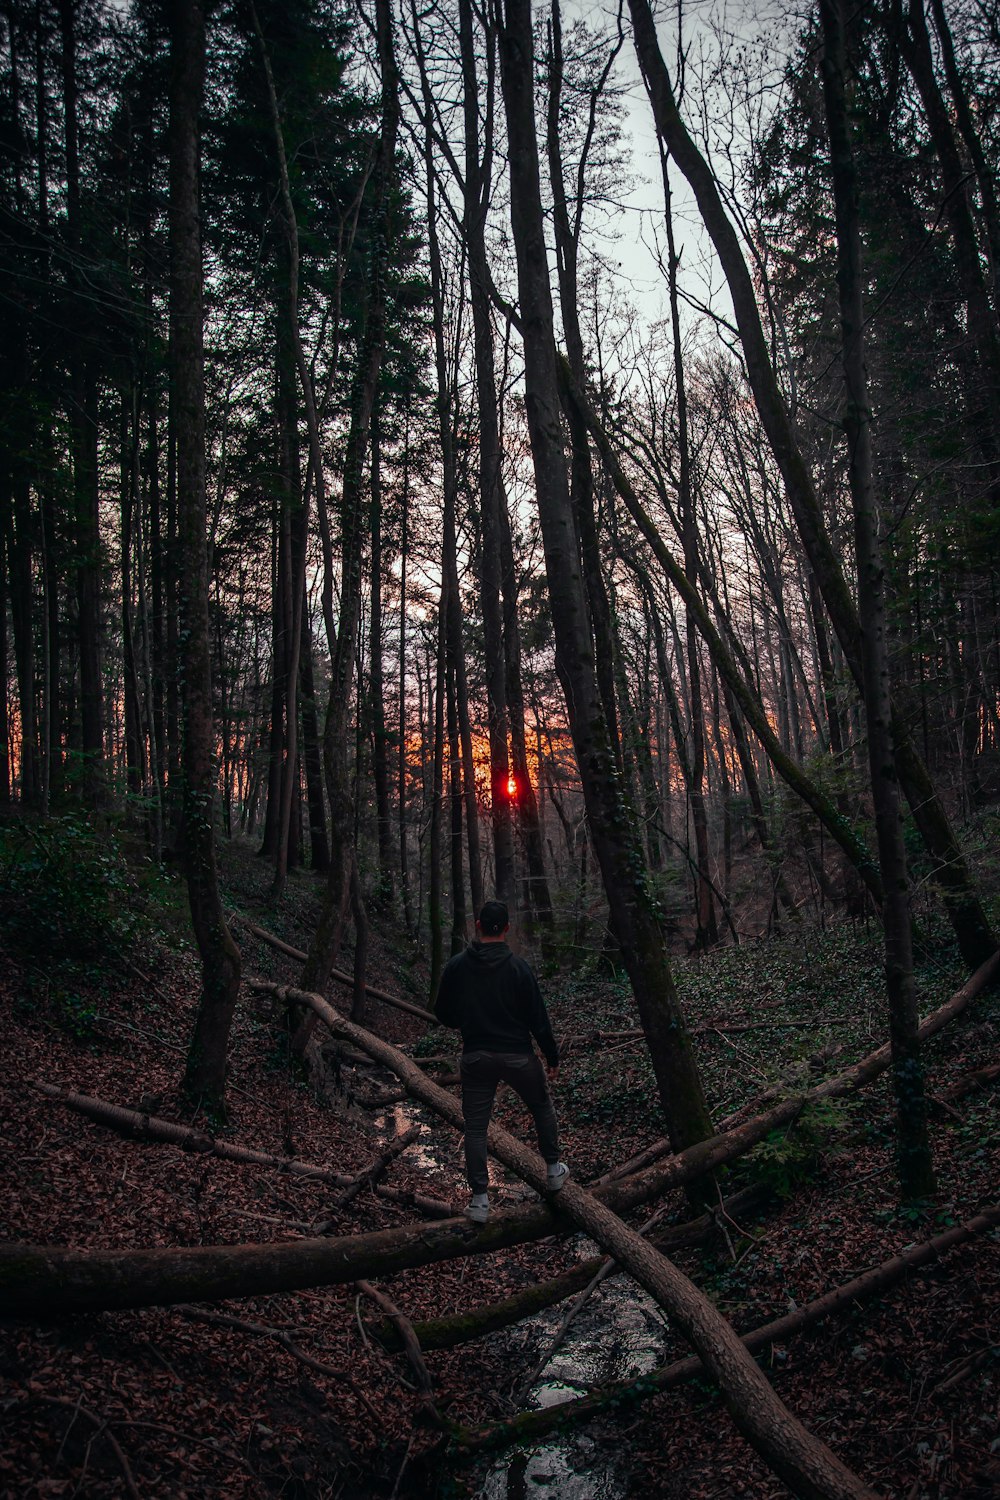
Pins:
x,y
797,1456
528,1427
408,1339
448,1331
396,1096
39,1281
142,1127
396,1001
980,1078
805,1464
370,1174
859,1074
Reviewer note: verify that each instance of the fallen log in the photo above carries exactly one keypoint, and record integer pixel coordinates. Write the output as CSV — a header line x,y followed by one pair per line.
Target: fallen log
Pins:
x,y
408,1340
861,1073
396,1001
979,1078
452,1329
797,1456
396,1096
142,1127
530,1426
434,1208
370,1175
138,1125
39,1281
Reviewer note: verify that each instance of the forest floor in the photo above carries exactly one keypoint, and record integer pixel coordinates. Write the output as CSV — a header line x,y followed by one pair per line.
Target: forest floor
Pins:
x,y
906,1389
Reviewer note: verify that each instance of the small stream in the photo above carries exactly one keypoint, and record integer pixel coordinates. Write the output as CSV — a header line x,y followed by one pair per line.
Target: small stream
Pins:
x,y
618,1335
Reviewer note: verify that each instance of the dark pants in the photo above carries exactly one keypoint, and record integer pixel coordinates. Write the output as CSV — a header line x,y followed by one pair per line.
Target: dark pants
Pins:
x,y
481,1072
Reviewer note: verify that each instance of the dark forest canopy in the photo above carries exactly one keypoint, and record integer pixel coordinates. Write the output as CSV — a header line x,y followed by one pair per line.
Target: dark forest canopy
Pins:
x,y
402,473
451,476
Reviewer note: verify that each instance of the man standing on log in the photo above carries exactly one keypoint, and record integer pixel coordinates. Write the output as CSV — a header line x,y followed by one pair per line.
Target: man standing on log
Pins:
x,y
492,997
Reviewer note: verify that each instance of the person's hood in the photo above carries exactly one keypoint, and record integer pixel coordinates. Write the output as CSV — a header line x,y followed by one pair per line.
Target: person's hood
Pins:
x,y
488,955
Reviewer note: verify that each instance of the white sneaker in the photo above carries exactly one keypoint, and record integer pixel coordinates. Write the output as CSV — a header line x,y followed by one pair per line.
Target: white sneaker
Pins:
x,y
479,1208
555,1177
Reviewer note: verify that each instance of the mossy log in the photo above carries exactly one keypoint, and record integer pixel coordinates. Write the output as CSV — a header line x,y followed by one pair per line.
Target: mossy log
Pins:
x,y
855,1077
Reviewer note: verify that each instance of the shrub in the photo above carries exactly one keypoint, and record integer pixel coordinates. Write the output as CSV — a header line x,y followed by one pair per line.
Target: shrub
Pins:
x,y
67,895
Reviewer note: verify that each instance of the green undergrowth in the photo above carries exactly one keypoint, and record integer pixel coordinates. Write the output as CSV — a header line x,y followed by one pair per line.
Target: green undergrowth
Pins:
x,y
777,1014
79,912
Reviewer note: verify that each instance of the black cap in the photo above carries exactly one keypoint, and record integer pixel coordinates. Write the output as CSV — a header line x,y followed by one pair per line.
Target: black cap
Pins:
x,y
494,919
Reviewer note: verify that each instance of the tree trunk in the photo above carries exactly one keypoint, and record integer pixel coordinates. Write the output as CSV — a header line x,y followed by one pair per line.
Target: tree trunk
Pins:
x,y
638,922
298,502
915,43
364,388
456,800
491,487
528,1427
401,769
134,745
434,903
18,532
83,441
916,1169
972,142
461,769
380,737
320,849
706,927
205,1076
5,761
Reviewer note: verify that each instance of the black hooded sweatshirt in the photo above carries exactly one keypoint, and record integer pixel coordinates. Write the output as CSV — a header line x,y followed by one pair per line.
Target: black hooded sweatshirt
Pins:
x,y
492,997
